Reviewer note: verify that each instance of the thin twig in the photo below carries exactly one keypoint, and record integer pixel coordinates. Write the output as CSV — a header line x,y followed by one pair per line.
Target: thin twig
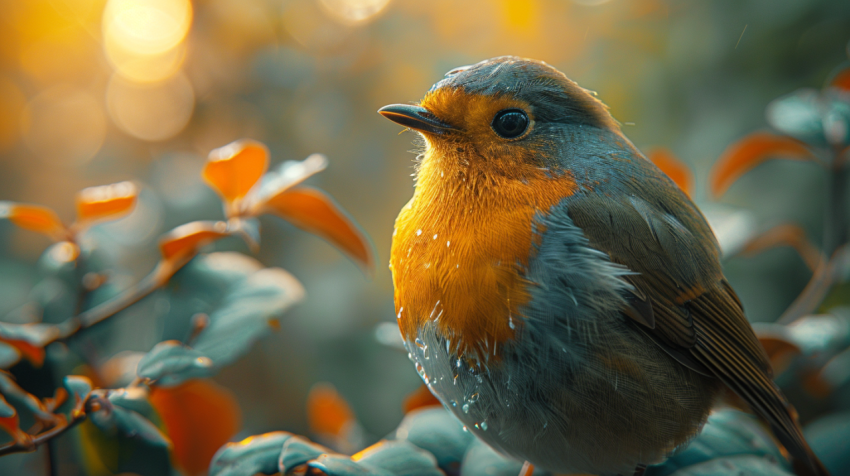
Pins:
x,y
835,221
88,319
814,292
62,426
787,235
92,403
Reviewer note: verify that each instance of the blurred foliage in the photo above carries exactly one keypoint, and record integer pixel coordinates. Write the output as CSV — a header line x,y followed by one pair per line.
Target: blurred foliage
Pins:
x,y
139,94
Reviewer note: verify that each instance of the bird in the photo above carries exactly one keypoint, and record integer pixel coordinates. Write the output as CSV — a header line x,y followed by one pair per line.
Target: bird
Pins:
x,y
556,291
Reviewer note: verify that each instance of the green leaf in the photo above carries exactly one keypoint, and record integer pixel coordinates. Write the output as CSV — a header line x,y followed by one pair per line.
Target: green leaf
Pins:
x,y
481,460
436,431
115,418
248,229
798,115
78,387
257,454
298,451
247,313
36,334
215,272
171,363
9,356
836,118
727,435
400,458
6,410
823,335
338,465
828,438
744,464
21,398
201,286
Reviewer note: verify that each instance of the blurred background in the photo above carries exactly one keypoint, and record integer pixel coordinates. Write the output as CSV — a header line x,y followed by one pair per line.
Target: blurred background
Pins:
x,y
95,92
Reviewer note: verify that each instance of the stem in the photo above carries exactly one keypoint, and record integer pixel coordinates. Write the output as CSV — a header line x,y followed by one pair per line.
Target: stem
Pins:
x,y
835,226
88,319
52,469
817,288
834,240
63,426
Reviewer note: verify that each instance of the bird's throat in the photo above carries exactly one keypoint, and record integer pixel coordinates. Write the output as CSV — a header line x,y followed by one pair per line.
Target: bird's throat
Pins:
x,y
461,246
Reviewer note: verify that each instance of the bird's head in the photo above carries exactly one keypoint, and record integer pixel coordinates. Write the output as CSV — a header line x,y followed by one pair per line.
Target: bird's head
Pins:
x,y
505,112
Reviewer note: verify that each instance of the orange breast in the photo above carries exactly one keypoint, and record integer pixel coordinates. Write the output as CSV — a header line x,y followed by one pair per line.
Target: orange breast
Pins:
x,y
460,248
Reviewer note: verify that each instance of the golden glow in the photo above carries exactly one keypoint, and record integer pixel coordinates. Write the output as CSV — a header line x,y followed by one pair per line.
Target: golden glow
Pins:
x,y
353,11
150,111
147,27
145,68
64,125
12,101
143,39
310,25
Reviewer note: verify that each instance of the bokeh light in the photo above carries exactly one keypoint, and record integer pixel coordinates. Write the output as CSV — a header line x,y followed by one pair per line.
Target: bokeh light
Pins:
x,y
145,68
313,28
150,111
143,39
147,27
12,101
353,11
64,125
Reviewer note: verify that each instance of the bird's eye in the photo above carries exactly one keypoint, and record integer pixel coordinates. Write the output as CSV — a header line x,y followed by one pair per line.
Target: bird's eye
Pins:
x,y
510,123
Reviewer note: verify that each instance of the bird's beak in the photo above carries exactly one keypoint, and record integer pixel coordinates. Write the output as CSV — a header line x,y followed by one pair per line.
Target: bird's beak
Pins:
x,y
415,117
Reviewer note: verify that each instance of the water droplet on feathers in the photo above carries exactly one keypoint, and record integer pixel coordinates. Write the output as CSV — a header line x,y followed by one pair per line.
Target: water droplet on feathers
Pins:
x,y
421,371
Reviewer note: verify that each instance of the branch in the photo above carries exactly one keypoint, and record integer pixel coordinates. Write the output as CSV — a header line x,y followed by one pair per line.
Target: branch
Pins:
x,y
835,221
814,292
787,235
62,424
88,319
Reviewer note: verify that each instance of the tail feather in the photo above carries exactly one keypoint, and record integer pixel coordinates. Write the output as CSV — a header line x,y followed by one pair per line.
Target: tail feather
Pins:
x,y
806,463
727,345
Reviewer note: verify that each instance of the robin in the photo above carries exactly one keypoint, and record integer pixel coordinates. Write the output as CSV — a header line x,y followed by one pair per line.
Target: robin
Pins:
x,y
556,291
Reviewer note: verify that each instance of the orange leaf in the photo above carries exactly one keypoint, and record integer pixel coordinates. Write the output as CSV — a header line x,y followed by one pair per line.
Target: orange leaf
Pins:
x,y
747,153
30,351
233,170
786,235
11,425
419,398
780,351
314,211
199,416
327,411
106,202
841,80
673,168
186,239
816,385
34,218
